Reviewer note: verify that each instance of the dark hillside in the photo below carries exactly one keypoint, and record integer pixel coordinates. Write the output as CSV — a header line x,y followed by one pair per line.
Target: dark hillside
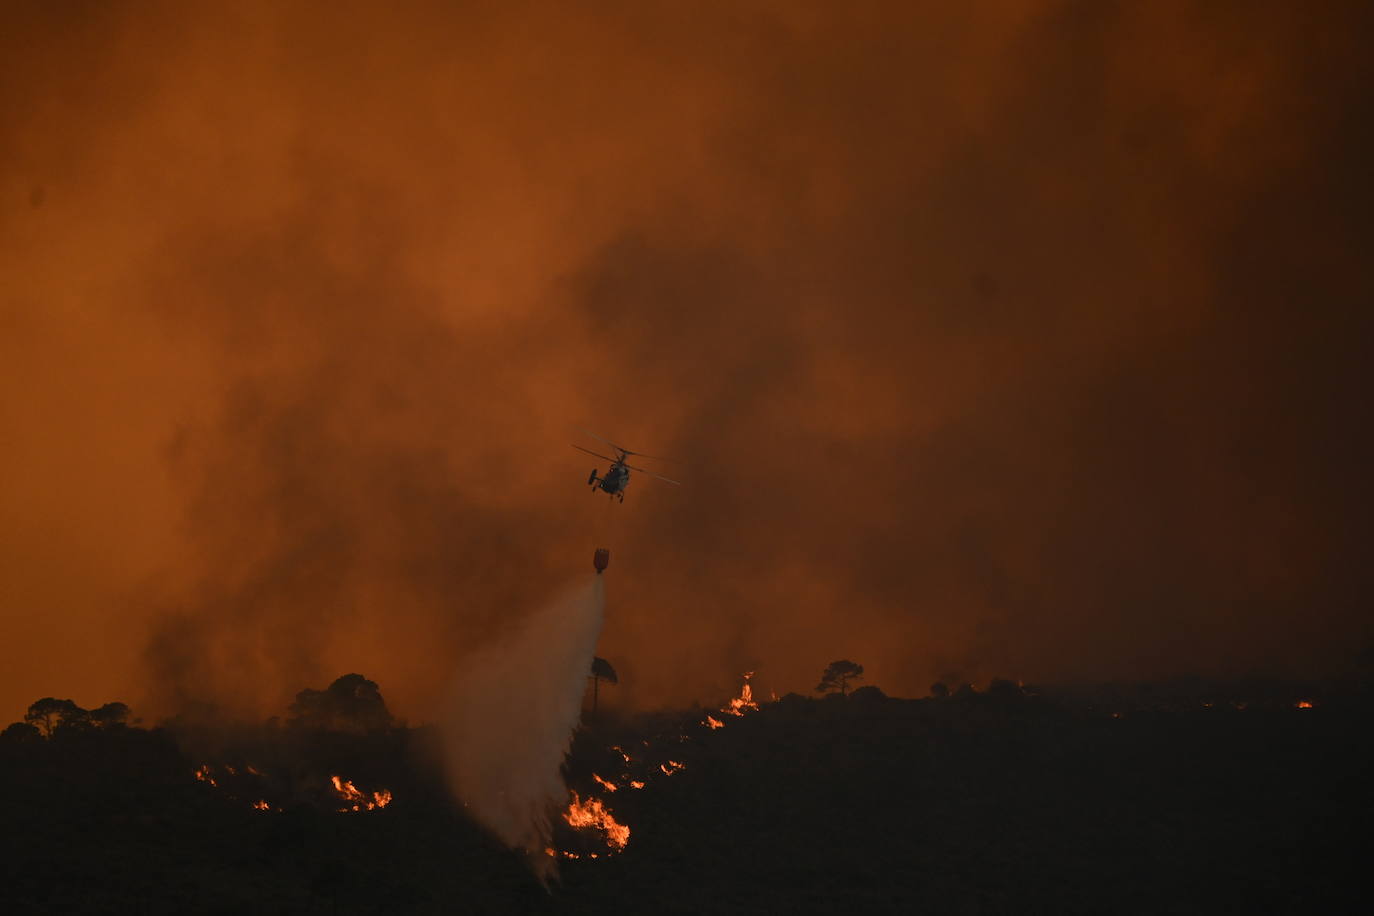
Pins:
x,y
973,804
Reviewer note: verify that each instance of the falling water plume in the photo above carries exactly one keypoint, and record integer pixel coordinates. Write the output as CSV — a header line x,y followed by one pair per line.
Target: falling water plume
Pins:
x,y
510,718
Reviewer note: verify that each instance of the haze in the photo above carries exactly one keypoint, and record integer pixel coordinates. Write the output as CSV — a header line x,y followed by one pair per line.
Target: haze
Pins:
x,y
1014,339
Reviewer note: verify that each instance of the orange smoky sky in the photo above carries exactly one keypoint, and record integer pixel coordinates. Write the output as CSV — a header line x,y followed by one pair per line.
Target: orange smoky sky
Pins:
x,y
1020,339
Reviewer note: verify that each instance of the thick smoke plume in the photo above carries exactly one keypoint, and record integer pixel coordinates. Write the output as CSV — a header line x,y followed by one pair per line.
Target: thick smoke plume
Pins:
x,y
1020,338
511,715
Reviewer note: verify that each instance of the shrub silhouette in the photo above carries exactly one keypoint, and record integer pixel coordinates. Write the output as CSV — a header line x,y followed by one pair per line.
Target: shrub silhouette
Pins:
x,y
350,704
110,715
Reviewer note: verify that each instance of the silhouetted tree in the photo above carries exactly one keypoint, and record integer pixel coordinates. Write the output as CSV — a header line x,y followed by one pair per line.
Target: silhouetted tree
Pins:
x,y
837,676
50,714
21,731
601,670
111,714
351,703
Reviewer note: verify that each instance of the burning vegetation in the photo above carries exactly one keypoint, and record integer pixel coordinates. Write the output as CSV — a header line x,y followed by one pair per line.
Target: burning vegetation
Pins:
x,y
735,706
355,800
245,782
591,814
743,703
301,761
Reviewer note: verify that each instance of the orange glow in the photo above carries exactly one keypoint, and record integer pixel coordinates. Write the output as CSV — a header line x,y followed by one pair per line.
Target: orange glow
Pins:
x,y
203,774
186,429
610,786
636,784
592,815
713,722
1303,704
671,767
262,805
354,800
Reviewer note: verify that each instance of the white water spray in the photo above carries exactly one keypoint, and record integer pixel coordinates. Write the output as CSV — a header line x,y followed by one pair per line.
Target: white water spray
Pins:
x,y
511,714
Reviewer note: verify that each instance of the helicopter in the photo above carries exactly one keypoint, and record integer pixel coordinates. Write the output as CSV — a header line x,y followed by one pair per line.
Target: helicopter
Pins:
x,y
617,476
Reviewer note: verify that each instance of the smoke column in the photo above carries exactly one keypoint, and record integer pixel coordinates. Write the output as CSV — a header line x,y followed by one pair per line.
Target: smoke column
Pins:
x,y
510,718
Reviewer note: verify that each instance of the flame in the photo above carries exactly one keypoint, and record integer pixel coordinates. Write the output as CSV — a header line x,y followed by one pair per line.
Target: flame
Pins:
x,y
592,815
713,722
1303,704
355,800
621,751
671,767
610,786
745,700
262,805
203,774
636,784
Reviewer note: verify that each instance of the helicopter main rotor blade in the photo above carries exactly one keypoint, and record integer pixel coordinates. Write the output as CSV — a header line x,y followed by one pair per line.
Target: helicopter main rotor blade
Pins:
x,y
590,452
621,448
652,474
607,441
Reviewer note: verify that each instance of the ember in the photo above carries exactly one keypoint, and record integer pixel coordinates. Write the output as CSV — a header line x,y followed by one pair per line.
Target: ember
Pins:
x,y
1303,704
610,786
671,767
550,851
713,722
